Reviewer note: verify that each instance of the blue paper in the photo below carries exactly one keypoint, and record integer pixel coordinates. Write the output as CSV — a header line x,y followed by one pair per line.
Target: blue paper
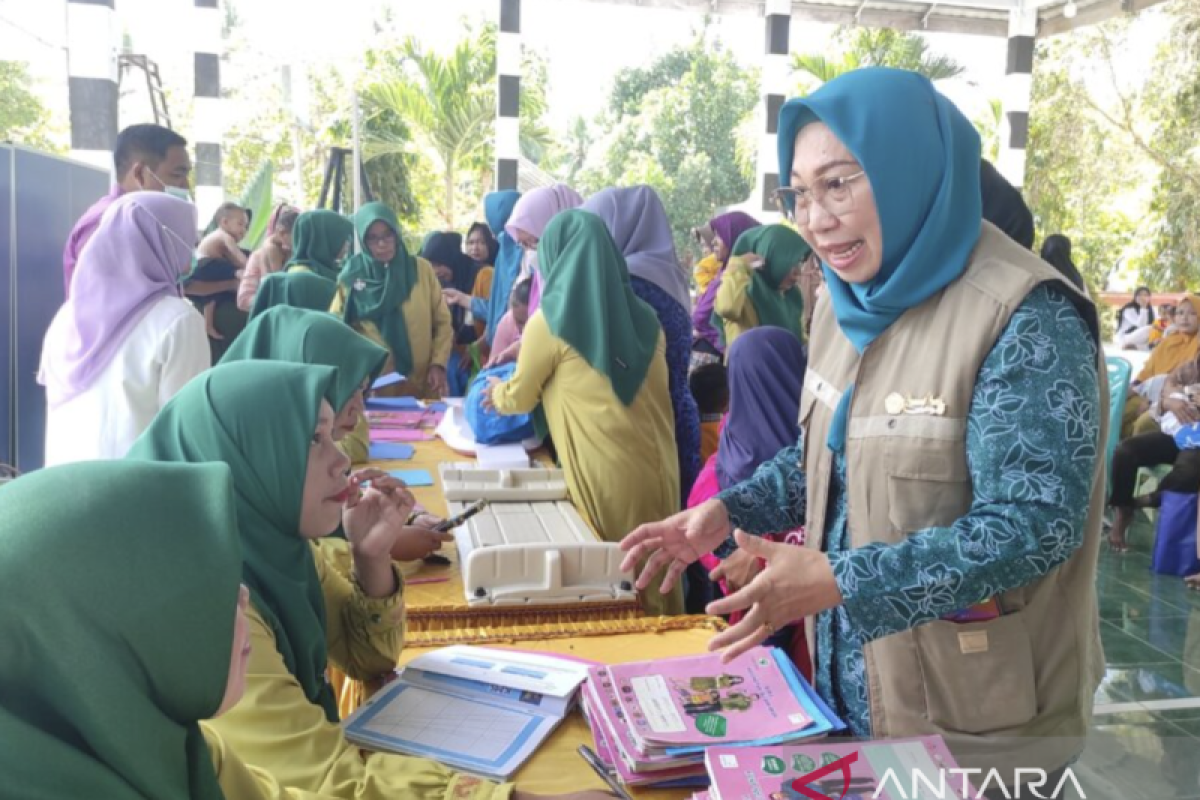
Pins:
x,y
393,404
390,451
413,478
391,379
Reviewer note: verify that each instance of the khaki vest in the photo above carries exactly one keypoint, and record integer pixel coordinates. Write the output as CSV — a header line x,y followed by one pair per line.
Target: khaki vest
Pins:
x,y
987,687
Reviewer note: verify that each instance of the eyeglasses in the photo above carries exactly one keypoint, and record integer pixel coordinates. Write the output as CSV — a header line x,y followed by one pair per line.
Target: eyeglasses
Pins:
x,y
832,194
385,238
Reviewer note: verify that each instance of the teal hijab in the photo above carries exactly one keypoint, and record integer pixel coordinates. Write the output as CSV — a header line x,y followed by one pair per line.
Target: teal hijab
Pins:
x,y
782,249
498,207
311,337
921,156
375,290
122,585
258,418
589,303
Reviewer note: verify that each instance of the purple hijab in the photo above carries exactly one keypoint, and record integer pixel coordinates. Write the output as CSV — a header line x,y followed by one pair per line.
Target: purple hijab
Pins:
x,y
638,223
729,227
766,375
142,248
532,214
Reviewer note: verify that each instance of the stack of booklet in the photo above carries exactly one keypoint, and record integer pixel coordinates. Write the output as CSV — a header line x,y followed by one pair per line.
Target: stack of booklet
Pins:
x,y
480,710
653,720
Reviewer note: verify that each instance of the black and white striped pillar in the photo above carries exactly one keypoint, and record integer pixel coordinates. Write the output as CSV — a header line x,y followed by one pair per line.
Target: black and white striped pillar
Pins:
x,y
208,113
1018,87
92,79
508,95
775,73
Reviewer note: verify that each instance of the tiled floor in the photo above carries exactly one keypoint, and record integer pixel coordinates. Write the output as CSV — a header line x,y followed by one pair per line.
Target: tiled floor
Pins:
x,y
1145,739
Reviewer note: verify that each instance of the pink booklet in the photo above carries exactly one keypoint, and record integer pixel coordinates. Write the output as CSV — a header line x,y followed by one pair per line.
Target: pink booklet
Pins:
x,y
400,435
607,752
697,700
884,770
606,713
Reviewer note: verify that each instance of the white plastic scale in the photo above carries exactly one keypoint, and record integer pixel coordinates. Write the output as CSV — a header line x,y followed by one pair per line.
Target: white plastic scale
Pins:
x,y
529,546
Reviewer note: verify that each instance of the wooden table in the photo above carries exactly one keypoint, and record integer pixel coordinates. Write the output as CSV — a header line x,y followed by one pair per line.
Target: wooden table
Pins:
x,y
556,767
438,613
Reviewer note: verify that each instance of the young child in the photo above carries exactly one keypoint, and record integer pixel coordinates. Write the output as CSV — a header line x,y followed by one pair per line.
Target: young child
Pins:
x,y
507,343
1162,325
270,257
219,259
709,384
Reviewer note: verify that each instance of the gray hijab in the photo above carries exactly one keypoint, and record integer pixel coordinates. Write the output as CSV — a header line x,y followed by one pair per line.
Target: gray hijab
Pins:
x,y
638,223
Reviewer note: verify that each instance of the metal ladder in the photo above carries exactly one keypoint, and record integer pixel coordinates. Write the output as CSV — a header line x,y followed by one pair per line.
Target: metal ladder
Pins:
x,y
158,99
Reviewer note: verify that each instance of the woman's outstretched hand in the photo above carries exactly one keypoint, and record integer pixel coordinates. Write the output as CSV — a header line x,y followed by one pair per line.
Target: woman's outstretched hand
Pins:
x,y
675,542
797,582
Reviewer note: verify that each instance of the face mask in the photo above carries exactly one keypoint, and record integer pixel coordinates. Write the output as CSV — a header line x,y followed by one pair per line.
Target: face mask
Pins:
x,y
172,191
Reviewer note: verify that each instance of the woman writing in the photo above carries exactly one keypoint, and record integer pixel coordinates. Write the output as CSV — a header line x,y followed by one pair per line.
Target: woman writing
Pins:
x,y
594,356
638,223
125,341
759,286
163,634
926,485
320,240
396,300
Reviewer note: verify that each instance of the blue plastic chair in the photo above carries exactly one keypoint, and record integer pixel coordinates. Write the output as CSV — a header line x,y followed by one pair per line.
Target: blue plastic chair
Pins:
x,y
1119,373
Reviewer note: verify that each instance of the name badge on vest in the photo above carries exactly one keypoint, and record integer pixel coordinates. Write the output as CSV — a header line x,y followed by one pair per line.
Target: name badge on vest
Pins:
x,y
896,404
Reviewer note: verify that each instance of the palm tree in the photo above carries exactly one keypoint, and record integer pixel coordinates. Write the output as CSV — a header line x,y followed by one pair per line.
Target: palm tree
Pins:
x,y
869,47
449,106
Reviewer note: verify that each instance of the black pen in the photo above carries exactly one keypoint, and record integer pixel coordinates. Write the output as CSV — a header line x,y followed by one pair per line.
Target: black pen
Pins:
x,y
602,771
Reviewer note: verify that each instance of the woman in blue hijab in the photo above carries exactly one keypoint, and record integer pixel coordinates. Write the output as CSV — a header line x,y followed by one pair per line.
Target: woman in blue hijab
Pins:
x,y
946,470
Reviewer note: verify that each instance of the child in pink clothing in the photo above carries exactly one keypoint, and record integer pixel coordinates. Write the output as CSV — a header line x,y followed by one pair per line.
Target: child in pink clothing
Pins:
x,y
507,343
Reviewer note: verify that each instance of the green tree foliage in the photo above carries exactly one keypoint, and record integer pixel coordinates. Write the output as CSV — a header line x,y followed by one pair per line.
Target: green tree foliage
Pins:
x,y
1113,161
23,118
873,47
674,125
448,104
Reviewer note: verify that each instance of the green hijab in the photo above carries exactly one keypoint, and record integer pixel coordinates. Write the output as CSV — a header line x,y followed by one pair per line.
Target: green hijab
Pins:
x,y
258,417
295,289
311,337
375,291
317,239
783,249
122,586
589,303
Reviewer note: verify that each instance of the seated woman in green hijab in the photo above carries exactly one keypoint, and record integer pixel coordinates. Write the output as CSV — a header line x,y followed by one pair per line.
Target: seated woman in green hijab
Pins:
x,y
319,241
291,484
158,624
760,284
594,356
313,337
296,289
396,300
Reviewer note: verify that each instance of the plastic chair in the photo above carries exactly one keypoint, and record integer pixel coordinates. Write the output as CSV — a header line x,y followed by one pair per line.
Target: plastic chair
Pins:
x,y
1119,373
